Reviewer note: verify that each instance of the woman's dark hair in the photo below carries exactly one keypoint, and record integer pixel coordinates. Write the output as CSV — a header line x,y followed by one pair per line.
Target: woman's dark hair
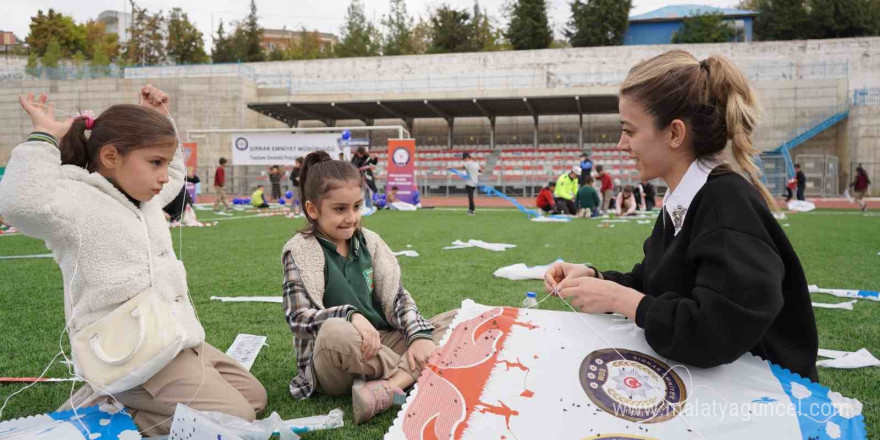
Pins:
x,y
127,127
320,174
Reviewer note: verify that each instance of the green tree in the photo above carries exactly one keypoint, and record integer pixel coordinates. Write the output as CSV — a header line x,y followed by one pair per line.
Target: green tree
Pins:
x,y
33,60
249,37
52,55
359,37
422,33
451,31
781,20
529,27
487,37
598,22
100,57
398,24
704,28
61,28
842,18
185,44
223,51
97,38
146,45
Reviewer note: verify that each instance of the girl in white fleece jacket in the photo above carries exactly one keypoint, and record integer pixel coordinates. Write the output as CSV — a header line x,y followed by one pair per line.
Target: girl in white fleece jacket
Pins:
x,y
94,189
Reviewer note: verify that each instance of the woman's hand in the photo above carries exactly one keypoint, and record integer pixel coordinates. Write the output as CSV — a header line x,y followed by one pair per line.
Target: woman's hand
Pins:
x,y
43,116
419,352
560,271
370,341
155,99
592,295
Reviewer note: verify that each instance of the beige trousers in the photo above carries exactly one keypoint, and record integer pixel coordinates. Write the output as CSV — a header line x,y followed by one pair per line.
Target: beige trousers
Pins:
x,y
338,360
221,198
606,199
228,388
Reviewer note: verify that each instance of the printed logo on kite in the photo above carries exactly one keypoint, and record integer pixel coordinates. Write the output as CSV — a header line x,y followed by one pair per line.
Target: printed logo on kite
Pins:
x,y
241,144
638,388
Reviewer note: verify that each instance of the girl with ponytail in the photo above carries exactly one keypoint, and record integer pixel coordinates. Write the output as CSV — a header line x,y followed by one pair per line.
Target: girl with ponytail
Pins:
x,y
93,189
350,316
719,277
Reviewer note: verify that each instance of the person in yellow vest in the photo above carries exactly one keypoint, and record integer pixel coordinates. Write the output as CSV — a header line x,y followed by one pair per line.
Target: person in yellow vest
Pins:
x,y
258,199
566,191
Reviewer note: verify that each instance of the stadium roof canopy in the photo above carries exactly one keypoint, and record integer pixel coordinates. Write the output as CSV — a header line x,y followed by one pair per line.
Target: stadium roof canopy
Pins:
x,y
291,113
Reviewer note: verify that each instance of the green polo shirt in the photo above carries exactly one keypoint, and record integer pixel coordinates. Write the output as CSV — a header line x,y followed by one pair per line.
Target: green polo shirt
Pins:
x,y
349,280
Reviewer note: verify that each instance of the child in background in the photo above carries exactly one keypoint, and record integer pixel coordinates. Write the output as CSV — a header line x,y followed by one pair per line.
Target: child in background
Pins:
x,y
626,202
220,187
294,185
351,317
545,197
391,197
275,175
588,199
606,189
258,198
93,190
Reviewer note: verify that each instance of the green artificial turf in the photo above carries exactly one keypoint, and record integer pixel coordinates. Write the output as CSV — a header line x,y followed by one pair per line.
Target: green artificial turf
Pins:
x,y
243,257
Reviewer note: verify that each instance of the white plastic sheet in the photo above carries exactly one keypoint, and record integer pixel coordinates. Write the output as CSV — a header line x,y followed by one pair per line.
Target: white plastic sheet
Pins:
x,y
495,247
841,359
189,424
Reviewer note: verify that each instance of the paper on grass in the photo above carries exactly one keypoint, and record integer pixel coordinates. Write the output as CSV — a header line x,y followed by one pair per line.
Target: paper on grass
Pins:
x,y
245,349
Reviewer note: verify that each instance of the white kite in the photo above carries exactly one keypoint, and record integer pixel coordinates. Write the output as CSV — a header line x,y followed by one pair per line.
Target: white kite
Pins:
x,y
508,373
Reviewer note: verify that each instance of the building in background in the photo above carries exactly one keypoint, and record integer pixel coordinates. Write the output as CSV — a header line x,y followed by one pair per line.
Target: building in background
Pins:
x,y
7,38
658,27
116,22
282,38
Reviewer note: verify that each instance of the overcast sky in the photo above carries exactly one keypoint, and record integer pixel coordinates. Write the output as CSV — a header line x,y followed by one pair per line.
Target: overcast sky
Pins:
x,y
323,15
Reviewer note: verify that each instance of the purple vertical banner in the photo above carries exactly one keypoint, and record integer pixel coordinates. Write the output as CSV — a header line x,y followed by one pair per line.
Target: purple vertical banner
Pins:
x,y
402,168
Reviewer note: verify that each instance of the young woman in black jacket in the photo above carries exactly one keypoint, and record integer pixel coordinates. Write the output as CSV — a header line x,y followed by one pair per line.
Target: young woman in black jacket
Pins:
x,y
719,277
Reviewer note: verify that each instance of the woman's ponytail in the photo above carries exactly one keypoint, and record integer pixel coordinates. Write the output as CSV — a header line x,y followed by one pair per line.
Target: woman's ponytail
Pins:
x,y
731,91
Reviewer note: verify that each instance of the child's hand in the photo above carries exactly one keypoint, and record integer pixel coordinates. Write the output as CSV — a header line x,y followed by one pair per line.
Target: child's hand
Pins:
x,y
155,99
419,352
370,341
42,118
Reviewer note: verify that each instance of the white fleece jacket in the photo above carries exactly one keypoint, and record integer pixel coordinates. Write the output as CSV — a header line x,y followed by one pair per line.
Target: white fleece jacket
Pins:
x,y
47,200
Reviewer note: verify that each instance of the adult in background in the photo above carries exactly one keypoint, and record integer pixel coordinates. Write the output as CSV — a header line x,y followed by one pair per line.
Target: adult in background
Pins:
x,y
586,168
566,191
801,181
473,170
365,164
860,187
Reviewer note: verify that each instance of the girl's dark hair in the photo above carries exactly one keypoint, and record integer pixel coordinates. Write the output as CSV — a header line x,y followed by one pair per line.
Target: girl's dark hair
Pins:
x,y
128,127
320,174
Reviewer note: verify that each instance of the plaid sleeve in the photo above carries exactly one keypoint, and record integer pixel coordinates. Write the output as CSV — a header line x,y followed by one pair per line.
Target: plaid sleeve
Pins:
x,y
408,318
304,318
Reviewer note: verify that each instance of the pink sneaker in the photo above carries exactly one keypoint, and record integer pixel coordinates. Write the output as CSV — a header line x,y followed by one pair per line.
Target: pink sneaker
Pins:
x,y
371,398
